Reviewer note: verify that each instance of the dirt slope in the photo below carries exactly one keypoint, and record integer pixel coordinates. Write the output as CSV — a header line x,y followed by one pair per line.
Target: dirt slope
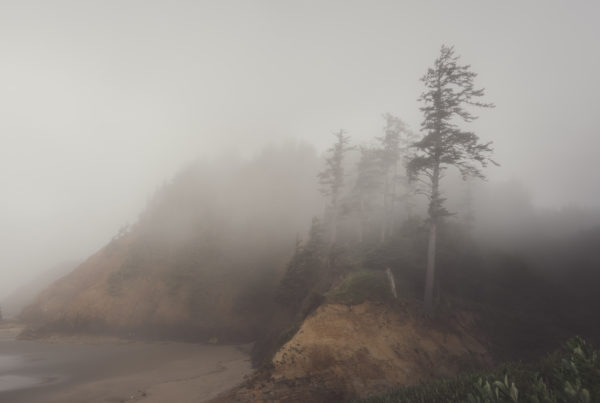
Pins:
x,y
343,352
202,261
154,302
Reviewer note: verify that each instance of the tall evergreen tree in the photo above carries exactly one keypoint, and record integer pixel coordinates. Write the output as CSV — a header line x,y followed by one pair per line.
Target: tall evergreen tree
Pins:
x,y
332,177
449,89
393,147
305,268
368,185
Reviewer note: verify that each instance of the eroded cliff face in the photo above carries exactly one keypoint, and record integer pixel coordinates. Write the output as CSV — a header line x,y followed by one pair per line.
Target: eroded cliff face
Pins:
x,y
152,297
344,352
203,260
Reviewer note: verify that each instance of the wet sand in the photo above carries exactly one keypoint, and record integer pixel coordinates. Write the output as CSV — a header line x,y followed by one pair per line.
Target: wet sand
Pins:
x,y
105,370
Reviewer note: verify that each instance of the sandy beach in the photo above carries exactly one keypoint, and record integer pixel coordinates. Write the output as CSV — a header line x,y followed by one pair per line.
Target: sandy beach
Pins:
x,y
89,369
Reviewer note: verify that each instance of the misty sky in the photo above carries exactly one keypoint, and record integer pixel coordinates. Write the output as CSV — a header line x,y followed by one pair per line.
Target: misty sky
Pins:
x,y
102,101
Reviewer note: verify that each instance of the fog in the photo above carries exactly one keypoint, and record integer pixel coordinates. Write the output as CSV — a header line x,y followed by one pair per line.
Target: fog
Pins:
x,y
102,102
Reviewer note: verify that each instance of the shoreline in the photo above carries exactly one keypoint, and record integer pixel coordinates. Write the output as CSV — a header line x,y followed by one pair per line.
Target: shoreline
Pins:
x,y
106,369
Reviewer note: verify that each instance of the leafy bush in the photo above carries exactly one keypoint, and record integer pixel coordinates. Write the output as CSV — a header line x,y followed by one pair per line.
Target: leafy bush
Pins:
x,y
569,376
496,391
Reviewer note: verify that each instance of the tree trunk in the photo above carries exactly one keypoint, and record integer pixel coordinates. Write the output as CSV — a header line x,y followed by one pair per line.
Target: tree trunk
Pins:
x,y
393,197
334,218
430,274
362,224
390,277
382,234
434,214
334,228
384,216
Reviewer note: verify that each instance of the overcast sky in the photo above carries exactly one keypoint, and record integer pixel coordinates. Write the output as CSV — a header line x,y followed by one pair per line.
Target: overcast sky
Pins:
x,y
101,101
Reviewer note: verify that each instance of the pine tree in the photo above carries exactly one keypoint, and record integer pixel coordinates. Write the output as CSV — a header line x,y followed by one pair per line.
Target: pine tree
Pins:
x,y
368,185
449,89
332,178
394,145
305,269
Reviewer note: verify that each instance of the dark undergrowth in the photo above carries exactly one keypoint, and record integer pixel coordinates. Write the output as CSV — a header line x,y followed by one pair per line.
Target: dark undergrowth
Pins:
x,y
570,374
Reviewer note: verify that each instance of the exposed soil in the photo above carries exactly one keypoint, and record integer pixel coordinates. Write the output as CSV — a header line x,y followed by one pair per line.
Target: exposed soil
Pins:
x,y
343,352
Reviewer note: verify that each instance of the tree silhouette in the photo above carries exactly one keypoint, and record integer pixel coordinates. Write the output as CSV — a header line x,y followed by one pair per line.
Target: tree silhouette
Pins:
x,y
449,89
332,178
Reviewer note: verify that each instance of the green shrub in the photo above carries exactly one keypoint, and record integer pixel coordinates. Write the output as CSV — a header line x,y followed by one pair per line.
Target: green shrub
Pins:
x,y
494,392
570,376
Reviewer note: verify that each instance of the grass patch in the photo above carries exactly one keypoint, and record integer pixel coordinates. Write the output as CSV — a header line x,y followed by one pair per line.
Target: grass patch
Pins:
x,y
361,286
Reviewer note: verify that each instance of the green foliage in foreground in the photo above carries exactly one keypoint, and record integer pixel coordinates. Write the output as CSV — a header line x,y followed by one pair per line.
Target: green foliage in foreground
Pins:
x,y
360,286
569,376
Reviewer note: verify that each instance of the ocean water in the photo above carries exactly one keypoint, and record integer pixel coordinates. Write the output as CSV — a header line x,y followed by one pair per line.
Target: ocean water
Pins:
x,y
43,371
32,370
18,369
12,382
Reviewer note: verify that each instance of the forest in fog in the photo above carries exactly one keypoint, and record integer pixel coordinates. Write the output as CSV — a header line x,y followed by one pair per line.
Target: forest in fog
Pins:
x,y
242,249
357,202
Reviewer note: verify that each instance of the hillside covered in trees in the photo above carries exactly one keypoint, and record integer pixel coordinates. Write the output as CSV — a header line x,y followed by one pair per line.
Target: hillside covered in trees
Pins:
x,y
202,261
402,270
